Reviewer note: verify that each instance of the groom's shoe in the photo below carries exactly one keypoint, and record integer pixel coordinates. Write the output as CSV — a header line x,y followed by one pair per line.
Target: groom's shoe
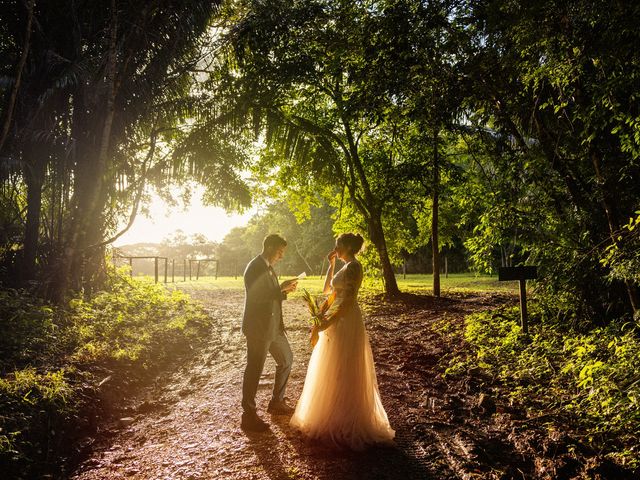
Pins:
x,y
280,408
253,423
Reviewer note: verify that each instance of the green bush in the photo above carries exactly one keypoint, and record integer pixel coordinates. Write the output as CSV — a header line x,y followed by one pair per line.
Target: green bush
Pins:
x,y
50,354
133,322
27,398
28,328
591,377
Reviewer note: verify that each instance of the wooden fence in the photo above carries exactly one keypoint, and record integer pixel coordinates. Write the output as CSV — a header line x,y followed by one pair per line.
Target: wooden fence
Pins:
x,y
186,261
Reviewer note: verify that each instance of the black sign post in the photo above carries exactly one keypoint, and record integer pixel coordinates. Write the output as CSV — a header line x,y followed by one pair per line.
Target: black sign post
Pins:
x,y
522,274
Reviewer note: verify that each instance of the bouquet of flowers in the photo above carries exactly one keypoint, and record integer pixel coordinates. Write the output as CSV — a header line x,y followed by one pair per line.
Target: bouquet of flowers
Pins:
x,y
318,309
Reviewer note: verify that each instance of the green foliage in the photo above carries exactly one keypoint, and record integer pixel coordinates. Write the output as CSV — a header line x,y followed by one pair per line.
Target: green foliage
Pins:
x,y
309,237
139,58
33,387
28,398
131,321
591,378
555,94
51,353
28,328
351,103
622,256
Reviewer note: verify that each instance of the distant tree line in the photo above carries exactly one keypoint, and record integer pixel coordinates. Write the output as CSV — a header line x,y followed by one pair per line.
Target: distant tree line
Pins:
x,y
309,242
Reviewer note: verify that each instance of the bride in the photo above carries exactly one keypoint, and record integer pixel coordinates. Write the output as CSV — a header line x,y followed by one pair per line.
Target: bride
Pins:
x,y
340,401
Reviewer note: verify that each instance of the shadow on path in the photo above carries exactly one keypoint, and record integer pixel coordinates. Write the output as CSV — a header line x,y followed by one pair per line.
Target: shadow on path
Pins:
x,y
266,446
294,457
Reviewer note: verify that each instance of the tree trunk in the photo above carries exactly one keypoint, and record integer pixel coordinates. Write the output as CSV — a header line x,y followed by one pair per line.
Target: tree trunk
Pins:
x,y
376,234
434,246
368,208
614,227
93,221
302,257
89,193
434,218
34,179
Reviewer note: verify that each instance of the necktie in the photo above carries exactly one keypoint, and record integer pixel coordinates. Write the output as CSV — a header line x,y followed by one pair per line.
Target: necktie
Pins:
x,y
273,275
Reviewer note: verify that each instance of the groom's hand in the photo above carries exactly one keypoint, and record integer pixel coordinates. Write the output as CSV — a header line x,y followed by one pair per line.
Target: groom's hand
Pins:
x,y
289,285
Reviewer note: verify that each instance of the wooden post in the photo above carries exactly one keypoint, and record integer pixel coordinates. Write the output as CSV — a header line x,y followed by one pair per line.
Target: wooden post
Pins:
x,y
184,270
404,268
521,274
156,268
198,271
446,267
131,266
165,269
524,321
190,269
217,264
173,270
434,216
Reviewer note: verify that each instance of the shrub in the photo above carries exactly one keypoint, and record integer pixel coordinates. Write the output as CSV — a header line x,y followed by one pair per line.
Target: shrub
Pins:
x,y
591,377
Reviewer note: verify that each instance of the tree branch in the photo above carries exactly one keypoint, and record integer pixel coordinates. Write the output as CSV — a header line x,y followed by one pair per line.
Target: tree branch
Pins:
x,y
20,68
136,202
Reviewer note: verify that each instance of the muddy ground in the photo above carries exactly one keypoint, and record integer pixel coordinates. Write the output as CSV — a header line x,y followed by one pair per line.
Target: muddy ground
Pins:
x,y
186,425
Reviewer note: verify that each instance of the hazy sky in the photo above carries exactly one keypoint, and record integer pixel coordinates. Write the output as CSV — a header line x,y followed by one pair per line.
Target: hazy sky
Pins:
x,y
213,222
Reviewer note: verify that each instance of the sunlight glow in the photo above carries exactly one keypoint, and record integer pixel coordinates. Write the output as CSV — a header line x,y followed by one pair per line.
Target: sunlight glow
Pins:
x,y
213,222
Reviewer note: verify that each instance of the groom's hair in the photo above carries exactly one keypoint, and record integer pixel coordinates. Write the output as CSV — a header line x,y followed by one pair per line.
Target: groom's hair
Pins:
x,y
273,241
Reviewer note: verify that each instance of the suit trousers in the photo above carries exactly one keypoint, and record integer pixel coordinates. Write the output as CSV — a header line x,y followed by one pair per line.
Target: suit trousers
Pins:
x,y
257,350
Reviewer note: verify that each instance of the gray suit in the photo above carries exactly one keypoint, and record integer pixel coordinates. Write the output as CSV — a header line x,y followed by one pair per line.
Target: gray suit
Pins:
x,y
263,326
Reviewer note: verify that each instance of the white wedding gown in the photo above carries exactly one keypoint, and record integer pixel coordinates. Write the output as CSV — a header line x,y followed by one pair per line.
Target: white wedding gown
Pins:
x,y
340,401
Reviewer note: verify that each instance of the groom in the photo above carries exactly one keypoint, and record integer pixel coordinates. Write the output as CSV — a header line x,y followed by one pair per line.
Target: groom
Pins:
x,y
263,326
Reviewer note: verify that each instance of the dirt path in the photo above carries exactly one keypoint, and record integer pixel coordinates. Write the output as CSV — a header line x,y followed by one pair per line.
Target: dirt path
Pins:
x,y
187,425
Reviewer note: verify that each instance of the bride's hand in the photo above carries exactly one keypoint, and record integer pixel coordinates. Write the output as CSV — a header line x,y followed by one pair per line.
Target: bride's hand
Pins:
x,y
332,256
315,336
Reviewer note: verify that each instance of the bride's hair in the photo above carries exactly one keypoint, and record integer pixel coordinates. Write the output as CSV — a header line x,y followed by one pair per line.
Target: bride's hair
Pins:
x,y
353,241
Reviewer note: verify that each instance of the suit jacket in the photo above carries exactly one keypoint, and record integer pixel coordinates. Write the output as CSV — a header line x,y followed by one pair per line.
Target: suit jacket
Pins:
x,y
262,316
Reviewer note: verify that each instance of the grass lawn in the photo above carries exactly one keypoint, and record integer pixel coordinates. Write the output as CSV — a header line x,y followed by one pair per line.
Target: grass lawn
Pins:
x,y
457,282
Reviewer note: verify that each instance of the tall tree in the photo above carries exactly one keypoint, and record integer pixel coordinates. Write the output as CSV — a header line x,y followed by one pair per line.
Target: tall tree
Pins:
x,y
424,75
312,78
108,103
295,66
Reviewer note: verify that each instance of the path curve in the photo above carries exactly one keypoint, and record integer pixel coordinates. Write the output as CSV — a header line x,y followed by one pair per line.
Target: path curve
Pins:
x,y
186,426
